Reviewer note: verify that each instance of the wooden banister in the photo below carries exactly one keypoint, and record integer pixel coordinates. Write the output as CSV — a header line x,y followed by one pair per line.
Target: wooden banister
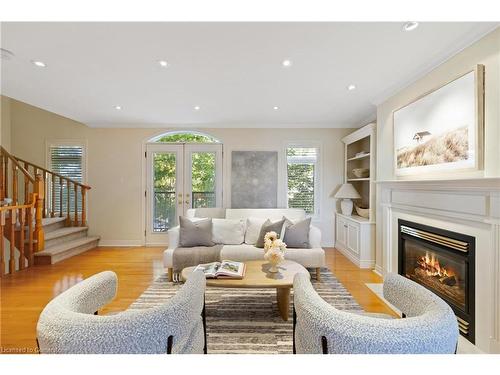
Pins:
x,y
50,202
7,156
21,218
54,173
39,193
10,217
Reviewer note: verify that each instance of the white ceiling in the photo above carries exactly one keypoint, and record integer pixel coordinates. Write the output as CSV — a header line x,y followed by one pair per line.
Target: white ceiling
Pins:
x,y
233,71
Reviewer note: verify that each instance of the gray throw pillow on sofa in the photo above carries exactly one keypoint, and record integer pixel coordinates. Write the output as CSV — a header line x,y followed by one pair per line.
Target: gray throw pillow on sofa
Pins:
x,y
297,235
269,227
195,233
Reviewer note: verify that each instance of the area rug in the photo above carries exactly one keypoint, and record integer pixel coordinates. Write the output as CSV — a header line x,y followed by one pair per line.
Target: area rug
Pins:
x,y
241,321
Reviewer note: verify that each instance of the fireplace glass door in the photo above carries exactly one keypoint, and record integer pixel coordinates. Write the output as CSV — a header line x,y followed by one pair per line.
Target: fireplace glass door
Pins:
x,y
442,272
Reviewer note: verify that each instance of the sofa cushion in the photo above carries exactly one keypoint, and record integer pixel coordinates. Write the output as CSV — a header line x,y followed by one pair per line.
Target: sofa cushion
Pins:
x,y
195,233
230,232
272,214
204,212
297,235
269,227
241,253
253,229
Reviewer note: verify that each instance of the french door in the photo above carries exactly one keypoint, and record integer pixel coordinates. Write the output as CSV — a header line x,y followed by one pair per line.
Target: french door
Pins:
x,y
180,176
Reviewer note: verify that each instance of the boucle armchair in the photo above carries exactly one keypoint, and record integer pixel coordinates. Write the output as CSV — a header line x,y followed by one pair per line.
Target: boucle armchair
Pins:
x,y
430,325
68,323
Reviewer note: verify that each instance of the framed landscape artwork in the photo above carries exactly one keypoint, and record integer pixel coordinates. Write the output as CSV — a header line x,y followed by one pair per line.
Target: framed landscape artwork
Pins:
x,y
442,130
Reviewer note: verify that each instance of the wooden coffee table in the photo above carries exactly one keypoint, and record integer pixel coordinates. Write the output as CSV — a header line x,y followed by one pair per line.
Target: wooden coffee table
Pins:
x,y
257,276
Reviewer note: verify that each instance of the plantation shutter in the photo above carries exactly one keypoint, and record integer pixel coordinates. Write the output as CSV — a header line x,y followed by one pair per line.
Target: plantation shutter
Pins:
x,y
301,174
68,162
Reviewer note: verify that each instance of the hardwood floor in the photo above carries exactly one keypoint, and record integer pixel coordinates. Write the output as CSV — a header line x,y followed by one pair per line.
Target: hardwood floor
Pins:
x,y
24,294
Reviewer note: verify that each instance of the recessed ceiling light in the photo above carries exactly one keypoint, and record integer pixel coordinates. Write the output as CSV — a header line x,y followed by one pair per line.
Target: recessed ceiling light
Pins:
x,y
163,63
409,26
38,63
286,63
351,87
276,107
118,108
196,107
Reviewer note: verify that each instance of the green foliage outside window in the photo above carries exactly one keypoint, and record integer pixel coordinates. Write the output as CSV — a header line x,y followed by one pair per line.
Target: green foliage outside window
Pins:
x,y
202,174
301,187
301,174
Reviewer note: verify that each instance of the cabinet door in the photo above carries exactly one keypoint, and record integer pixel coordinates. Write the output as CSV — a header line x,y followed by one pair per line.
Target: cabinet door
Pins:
x,y
353,238
341,230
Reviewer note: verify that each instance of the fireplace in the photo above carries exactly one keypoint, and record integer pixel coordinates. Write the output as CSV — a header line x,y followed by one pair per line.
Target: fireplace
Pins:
x,y
443,262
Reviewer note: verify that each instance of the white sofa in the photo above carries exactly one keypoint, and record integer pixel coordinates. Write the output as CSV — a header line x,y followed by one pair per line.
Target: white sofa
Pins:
x,y
310,258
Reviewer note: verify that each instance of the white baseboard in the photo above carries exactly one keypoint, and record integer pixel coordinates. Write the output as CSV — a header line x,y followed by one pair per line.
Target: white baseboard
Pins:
x,y
378,270
120,243
361,264
157,244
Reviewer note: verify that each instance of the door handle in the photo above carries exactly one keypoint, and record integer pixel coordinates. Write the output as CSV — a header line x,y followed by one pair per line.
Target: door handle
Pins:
x,y
187,202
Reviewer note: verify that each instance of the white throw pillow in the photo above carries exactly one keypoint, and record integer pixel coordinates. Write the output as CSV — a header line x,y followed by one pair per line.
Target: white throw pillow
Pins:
x,y
228,232
253,229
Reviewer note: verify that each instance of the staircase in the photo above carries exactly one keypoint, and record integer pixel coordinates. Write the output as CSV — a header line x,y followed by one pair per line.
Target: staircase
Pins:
x,y
63,242
36,229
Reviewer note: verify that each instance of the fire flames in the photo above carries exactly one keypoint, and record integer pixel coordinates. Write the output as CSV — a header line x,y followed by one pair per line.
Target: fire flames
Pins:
x,y
430,265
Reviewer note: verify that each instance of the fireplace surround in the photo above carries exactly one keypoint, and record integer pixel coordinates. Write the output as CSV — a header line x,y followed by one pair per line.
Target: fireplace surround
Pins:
x,y
443,262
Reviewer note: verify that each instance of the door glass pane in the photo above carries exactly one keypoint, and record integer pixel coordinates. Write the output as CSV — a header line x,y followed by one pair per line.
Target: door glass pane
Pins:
x,y
203,179
164,183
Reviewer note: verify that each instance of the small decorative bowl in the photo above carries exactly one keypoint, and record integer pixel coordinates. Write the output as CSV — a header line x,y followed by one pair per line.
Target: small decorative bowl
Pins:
x,y
363,212
361,172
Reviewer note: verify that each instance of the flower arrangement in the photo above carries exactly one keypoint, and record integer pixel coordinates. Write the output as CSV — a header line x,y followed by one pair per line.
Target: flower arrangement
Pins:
x,y
274,250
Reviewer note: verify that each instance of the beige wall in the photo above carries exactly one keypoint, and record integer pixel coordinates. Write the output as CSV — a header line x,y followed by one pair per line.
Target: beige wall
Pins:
x,y
115,165
487,52
5,127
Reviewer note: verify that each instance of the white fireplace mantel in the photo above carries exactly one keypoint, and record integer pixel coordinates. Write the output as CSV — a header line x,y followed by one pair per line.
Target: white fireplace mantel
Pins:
x,y
469,206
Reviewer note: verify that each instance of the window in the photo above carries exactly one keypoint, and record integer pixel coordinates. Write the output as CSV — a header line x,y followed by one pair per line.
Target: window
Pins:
x,y
302,178
184,137
66,159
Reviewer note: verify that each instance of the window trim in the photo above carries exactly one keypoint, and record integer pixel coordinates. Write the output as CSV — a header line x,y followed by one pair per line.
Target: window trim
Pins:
x,y
67,142
317,174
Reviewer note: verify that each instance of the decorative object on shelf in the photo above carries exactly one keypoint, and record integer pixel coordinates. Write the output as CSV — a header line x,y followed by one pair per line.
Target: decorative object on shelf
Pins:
x,y
361,172
274,251
346,193
362,211
443,129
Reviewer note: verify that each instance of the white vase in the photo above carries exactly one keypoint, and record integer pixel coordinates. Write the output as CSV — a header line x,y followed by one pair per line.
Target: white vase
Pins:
x,y
273,268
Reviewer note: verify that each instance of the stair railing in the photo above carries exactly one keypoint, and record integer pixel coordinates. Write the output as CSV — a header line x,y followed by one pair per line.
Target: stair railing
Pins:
x,y
16,225
54,184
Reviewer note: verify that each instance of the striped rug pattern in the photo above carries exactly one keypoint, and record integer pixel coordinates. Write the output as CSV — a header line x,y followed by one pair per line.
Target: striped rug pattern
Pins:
x,y
246,321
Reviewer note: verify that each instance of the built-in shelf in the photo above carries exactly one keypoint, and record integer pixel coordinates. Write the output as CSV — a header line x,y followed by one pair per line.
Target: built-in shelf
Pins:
x,y
359,157
358,179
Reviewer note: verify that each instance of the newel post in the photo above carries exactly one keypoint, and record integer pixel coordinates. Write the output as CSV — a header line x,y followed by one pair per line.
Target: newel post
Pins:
x,y
40,194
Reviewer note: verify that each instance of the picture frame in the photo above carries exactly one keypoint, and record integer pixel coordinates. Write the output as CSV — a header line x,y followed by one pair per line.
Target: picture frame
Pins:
x,y
442,131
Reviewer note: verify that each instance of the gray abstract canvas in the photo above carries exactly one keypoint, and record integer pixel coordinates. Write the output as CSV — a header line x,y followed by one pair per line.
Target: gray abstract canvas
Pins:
x,y
254,179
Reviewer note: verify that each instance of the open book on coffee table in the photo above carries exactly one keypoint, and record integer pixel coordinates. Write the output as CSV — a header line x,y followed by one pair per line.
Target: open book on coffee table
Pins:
x,y
226,269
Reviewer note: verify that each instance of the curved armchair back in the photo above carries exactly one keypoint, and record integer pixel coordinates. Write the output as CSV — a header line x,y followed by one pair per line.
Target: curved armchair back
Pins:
x,y
68,324
431,327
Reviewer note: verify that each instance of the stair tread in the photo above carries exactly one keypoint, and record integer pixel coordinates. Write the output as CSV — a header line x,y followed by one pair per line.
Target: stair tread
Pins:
x,y
52,220
61,232
61,248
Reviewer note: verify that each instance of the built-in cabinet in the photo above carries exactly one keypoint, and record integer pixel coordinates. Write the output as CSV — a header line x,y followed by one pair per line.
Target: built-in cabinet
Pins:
x,y
355,235
355,238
